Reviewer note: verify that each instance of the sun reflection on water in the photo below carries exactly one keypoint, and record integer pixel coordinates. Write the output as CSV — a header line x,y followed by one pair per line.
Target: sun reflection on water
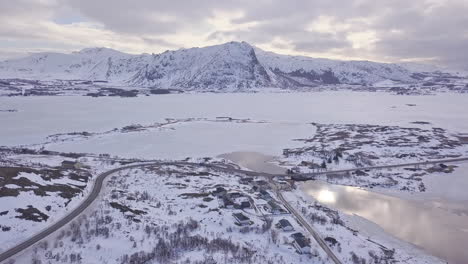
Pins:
x,y
326,196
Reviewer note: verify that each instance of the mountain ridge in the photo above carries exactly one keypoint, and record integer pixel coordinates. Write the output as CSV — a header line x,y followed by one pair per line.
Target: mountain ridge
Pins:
x,y
229,66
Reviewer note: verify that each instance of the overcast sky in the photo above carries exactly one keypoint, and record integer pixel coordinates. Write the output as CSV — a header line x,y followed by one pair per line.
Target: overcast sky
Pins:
x,y
379,30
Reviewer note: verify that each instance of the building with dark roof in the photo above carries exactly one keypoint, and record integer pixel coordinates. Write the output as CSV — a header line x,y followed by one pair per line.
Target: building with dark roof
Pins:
x,y
219,192
246,180
234,195
284,225
301,243
227,203
67,164
265,195
275,208
241,219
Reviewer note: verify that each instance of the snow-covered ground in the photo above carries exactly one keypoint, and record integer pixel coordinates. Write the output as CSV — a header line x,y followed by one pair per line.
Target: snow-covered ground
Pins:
x,y
346,146
171,212
276,120
36,191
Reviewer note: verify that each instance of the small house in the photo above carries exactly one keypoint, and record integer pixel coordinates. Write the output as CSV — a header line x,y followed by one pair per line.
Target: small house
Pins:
x,y
265,195
360,173
234,195
227,203
301,177
293,170
242,203
315,166
260,183
241,219
283,184
67,164
301,243
284,225
246,180
275,208
280,178
245,204
443,166
219,192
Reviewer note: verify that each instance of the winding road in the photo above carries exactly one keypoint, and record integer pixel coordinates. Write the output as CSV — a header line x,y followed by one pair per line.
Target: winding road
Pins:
x,y
92,197
66,219
98,183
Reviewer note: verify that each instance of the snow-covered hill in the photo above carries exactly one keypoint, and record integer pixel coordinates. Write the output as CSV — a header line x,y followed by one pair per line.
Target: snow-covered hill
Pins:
x,y
310,71
228,67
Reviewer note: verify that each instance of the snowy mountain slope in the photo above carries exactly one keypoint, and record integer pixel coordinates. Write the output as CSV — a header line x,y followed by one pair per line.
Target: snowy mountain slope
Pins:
x,y
431,68
233,65
89,64
313,70
228,67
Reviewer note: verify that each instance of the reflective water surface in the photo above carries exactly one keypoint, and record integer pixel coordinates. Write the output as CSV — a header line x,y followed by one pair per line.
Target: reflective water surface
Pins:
x,y
253,161
440,228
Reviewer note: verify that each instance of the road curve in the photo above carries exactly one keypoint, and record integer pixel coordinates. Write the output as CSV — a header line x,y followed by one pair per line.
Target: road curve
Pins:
x,y
96,189
69,217
93,195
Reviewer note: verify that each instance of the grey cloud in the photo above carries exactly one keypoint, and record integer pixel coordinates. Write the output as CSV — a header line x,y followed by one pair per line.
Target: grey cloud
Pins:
x,y
159,42
404,29
439,32
322,43
149,16
26,9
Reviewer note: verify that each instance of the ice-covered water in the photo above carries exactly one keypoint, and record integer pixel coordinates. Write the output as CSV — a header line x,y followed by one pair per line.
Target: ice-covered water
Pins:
x,y
38,117
194,139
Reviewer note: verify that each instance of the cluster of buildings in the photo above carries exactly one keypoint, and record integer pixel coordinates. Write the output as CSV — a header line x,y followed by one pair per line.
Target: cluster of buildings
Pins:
x,y
234,200
299,241
231,200
272,205
237,200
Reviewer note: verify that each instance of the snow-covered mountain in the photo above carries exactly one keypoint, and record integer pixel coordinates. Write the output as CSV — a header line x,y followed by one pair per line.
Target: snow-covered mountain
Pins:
x,y
229,66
